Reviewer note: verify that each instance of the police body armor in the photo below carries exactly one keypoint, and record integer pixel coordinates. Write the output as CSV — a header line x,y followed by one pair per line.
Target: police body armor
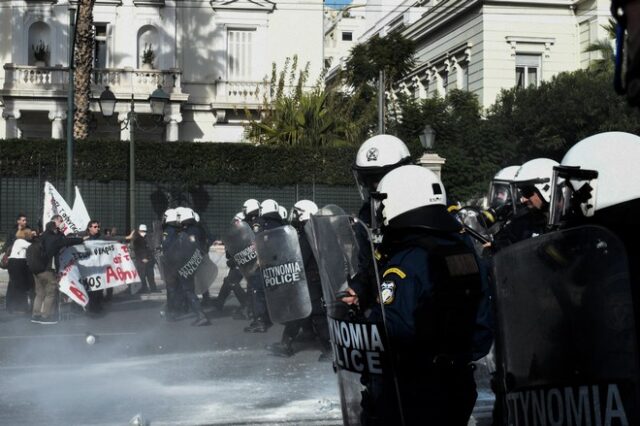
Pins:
x,y
358,345
240,243
567,339
282,267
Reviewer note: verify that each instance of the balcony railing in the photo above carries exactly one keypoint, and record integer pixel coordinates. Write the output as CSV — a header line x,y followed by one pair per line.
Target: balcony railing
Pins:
x,y
46,82
242,92
42,80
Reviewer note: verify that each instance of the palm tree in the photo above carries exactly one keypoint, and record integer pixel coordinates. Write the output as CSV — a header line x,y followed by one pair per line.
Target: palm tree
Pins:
x,y
83,59
605,48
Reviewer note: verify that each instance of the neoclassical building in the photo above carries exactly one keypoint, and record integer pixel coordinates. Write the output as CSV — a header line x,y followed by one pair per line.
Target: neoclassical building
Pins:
x,y
486,45
213,58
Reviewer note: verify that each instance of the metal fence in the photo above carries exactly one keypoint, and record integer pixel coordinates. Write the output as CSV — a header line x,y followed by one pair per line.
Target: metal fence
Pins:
x,y
108,202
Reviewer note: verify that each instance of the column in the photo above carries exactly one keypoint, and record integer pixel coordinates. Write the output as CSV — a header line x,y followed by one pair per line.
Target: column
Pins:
x,y
12,131
57,124
172,131
125,134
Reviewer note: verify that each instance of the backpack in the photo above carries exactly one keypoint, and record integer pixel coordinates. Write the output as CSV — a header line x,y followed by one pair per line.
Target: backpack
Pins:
x,y
37,259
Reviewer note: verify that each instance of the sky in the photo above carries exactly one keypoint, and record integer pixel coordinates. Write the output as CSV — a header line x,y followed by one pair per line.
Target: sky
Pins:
x,y
337,4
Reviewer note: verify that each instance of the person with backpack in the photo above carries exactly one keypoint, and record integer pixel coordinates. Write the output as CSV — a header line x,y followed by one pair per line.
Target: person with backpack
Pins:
x,y
42,258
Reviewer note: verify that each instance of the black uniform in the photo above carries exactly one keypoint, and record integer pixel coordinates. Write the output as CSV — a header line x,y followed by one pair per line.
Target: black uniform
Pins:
x,y
431,290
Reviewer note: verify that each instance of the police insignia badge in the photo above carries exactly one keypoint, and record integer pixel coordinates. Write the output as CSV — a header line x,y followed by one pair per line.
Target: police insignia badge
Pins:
x,y
372,154
388,291
192,238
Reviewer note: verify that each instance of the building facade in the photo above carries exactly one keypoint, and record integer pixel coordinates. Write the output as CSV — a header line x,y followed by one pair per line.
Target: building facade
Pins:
x,y
213,58
484,46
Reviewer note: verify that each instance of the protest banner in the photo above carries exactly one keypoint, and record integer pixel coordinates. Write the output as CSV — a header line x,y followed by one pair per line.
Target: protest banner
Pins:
x,y
94,266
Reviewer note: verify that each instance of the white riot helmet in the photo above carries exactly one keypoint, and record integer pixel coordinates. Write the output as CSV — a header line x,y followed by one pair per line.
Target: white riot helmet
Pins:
x,y
170,217
302,211
500,192
239,217
535,175
283,212
413,196
251,207
185,214
269,206
615,157
196,216
375,158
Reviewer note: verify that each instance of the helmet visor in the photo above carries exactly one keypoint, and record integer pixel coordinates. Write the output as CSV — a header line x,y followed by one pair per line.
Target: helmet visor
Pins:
x,y
573,194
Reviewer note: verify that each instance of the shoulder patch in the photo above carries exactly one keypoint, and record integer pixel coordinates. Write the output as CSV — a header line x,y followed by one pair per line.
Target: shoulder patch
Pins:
x,y
396,271
388,292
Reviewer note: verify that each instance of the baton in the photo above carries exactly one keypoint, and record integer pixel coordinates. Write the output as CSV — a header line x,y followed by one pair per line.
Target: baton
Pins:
x,y
475,234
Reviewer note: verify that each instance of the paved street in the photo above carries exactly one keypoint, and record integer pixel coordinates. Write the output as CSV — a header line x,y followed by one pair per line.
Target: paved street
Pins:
x,y
170,373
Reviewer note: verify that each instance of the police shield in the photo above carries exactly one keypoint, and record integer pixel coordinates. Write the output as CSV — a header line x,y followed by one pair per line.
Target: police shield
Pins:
x,y
240,244
567,340
282,268
205,275
358,346
187,254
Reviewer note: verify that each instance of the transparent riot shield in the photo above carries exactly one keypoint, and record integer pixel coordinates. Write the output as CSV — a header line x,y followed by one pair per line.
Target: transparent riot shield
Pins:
x,y
240,243
156,242
205,274
282,268
567,340
358,344
474,224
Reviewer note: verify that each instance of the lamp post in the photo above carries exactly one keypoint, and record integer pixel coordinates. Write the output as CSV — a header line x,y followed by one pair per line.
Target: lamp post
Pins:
x,y
428,137
158,100
70,107
430,159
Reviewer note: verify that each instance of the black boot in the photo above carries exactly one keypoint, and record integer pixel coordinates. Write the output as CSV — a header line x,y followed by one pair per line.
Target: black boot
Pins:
x,y
283,349
257,326
201,320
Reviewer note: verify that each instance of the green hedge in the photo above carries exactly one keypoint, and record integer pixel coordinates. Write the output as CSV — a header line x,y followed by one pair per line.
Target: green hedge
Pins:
x,y
185,162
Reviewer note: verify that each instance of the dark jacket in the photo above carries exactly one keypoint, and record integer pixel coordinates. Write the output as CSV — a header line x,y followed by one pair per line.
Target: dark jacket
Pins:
x,y
53,242
141,249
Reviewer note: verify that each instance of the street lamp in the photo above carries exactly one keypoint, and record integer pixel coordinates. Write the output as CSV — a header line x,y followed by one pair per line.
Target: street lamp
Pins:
x,y
428,137
158,100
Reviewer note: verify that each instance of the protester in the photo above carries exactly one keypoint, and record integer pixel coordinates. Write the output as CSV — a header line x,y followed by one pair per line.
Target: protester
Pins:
x,y
46,282
20,278
143,258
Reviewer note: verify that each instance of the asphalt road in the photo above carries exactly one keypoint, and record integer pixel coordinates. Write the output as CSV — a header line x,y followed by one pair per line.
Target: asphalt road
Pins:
x,y
168,373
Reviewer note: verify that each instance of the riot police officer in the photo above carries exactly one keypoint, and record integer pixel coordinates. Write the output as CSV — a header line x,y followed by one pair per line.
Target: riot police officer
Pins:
x,y
503,200
251,212
170,229
533,181
376,157
232,282
269,218
317,322
193,246
612,200
429,298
